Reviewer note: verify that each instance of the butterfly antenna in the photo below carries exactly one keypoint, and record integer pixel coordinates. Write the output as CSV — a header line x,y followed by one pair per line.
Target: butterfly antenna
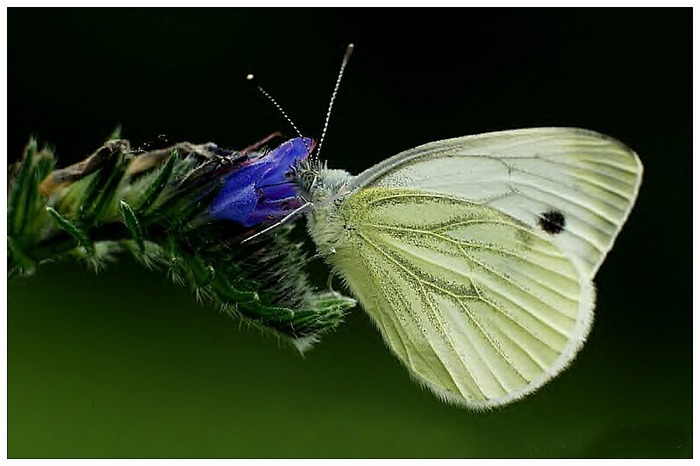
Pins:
x,y
281,222
251,78
346,58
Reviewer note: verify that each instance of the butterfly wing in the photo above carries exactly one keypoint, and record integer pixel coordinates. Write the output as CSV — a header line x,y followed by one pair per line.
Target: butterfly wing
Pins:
x,y
474,256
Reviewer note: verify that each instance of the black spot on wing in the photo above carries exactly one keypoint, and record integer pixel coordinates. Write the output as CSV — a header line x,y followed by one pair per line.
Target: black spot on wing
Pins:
x,y
552,222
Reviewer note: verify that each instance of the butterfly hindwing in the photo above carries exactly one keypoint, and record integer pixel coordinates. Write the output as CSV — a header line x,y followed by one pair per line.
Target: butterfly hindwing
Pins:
x,y
479,307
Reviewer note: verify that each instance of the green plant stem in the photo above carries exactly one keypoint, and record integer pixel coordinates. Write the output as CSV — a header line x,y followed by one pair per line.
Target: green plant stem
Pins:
x,y
85,211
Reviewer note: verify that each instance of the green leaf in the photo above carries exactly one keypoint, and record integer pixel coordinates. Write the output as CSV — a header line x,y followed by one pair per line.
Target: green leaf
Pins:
x,y
109,191
16,215
116,133
69,227
97,185
132,223
30,199
156,187
44,163
230,293
202,273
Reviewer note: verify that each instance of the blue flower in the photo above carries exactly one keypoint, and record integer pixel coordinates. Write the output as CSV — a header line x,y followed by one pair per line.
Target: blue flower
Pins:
x,y
261,189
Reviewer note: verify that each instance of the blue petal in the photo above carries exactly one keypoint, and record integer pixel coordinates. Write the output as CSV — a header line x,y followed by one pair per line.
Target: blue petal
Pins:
x,y
260,190
279,191
236,206
286,156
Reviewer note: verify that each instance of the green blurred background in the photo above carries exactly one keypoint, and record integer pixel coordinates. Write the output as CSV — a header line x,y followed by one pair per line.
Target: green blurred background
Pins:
x,y
125,364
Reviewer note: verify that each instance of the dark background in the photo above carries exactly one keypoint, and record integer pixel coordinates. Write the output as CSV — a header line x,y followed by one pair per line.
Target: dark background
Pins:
x,y
125,364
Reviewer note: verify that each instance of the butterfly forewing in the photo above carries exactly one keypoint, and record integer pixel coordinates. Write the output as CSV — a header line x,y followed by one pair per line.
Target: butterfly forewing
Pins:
x,y
586,181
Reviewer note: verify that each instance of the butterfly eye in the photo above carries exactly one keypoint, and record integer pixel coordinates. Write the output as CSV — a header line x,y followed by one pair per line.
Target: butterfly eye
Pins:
x,y
308,180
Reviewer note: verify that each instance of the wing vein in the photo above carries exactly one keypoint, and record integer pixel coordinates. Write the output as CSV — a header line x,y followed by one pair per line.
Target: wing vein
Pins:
x,y
444,333
460,245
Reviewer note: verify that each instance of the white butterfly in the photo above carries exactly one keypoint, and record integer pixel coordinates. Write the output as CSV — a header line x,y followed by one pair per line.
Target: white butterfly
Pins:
x,y
475,256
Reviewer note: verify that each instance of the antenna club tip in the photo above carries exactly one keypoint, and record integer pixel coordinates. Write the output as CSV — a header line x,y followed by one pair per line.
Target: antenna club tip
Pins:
x,y
250,77
348,52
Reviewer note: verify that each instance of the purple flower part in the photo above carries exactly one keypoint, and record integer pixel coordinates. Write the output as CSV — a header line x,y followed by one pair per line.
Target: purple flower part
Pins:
x,y
260,189
277,192
235,205
286,156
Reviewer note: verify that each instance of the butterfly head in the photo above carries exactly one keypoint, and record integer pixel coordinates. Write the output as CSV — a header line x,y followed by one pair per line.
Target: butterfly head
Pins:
x,y
319,184
324,189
